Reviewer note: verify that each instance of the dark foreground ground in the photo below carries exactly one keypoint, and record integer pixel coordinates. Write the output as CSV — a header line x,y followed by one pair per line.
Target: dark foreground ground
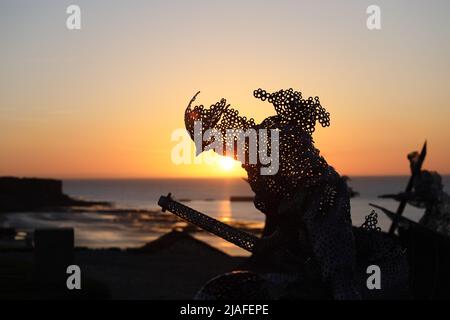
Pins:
x,y
173,267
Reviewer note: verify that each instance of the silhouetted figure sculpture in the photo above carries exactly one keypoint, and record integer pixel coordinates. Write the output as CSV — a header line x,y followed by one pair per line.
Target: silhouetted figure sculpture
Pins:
x,y
306,202
428,193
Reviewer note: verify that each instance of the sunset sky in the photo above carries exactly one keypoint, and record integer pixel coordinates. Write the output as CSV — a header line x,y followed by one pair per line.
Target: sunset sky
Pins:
x,y
102,102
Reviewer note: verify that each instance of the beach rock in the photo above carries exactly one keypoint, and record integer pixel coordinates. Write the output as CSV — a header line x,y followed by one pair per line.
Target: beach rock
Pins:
x,y
182,243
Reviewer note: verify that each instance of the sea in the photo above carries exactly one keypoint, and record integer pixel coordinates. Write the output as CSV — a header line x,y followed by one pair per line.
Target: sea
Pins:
x,y
133,226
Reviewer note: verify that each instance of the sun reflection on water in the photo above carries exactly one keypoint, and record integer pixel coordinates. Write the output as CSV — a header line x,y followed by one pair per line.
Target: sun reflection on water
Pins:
x,y
225,214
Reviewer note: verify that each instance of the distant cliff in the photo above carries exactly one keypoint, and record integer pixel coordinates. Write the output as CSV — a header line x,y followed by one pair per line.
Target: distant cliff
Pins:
x,y
29,194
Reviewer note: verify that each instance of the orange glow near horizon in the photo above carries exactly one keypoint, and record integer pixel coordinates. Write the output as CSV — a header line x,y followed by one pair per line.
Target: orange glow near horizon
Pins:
x,y
103,102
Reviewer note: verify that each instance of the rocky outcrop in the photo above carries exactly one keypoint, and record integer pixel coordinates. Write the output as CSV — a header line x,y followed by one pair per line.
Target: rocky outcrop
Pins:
x,y
30,194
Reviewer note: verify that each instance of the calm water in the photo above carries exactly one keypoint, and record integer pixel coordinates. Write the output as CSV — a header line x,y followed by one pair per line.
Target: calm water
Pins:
x,y
210,196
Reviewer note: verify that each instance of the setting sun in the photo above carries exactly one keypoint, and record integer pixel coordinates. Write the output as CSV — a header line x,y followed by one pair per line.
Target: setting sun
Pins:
x,y
226,163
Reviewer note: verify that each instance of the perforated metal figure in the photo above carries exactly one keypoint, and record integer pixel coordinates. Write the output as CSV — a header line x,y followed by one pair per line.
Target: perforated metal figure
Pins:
x,y
428,193
306,201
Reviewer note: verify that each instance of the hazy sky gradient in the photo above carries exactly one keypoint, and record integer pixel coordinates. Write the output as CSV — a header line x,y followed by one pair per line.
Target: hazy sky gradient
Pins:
x,y
103,101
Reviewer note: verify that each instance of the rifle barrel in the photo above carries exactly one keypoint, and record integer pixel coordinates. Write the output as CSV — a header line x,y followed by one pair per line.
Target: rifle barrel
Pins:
x,y
240,238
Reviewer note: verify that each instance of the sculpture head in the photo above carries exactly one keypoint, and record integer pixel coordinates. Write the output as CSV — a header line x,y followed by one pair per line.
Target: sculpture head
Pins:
x,y
293,124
